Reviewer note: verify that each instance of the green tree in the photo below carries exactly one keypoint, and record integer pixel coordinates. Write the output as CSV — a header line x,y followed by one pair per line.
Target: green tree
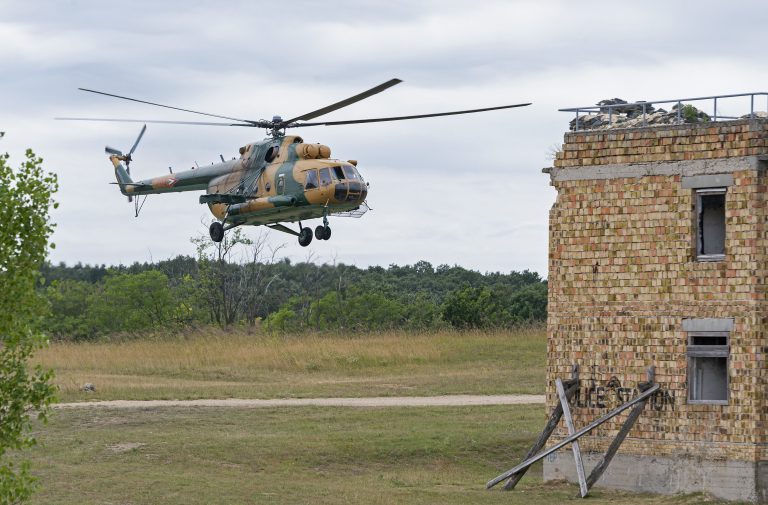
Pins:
x,y
470,307
69,302
132,302
25,227
529,304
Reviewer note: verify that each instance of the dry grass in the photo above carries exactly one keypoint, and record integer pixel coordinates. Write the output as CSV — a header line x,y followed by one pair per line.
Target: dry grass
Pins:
x,y
226,365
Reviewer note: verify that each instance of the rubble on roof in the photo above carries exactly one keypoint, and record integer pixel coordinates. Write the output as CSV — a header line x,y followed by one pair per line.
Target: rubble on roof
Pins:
x,y
637,115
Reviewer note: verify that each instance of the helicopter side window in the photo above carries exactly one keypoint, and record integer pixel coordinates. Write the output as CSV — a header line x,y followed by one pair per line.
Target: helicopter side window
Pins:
x,y
338,172
311,180
350,172
325,176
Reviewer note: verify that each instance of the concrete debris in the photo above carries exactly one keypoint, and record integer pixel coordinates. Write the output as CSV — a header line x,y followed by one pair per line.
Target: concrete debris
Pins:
x,y
629,110
637,115
758,114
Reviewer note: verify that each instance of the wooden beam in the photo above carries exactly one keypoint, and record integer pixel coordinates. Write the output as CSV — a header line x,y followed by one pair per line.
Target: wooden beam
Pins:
x,y
594,424
597,472
575,445
572,386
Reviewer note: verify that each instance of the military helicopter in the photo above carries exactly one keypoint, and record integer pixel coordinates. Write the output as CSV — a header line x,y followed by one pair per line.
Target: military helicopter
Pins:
x,y
280,179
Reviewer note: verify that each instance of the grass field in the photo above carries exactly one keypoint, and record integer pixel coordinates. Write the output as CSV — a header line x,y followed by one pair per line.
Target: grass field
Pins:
x,y
220,365
297,456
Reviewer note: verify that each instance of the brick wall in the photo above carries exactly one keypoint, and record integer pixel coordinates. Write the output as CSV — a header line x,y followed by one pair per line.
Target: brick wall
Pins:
x,y
664,143
623,275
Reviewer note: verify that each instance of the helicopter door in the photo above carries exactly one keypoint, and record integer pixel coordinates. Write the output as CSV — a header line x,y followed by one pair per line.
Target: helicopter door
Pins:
x,y
280,184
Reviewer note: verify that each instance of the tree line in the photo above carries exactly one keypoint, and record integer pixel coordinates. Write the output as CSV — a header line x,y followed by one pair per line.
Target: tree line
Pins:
x,y
241,282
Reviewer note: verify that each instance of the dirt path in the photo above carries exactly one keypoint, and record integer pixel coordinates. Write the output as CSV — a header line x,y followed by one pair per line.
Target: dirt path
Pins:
x,y
382,401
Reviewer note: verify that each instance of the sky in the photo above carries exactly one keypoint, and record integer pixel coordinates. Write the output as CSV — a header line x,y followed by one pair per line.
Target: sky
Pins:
x,y
464,190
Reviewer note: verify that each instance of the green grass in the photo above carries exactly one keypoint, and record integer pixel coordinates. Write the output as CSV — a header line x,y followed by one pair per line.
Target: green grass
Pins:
x,y
297,456
245,366
307,455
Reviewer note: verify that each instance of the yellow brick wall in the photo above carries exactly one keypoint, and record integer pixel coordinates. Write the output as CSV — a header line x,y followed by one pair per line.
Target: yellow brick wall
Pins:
x,y
623,276
663,143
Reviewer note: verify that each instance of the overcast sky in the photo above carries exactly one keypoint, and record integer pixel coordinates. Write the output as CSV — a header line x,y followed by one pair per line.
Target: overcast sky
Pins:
x,y
464,190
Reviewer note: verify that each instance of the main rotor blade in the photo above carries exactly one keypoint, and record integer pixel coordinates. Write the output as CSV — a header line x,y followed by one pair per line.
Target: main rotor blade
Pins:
x,y
255,124
138,139
401,118
166,106
343,103
112,150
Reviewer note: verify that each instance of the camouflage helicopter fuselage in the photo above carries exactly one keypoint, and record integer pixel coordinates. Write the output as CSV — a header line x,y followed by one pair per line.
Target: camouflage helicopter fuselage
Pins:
x,y
274,181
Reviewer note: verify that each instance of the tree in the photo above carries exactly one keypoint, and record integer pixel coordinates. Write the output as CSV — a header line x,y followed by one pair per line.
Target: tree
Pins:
x,y
133,302
232,286
25,227
69,302
475,308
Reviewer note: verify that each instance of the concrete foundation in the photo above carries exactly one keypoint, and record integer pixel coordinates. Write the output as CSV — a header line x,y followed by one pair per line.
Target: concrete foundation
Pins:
x,y
729,480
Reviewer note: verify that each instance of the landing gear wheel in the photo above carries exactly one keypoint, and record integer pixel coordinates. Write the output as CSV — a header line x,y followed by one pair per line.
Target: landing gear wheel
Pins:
x,y
327,233
320,233
305,237
217,231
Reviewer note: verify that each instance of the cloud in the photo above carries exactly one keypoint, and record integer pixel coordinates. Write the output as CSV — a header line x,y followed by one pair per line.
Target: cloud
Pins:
x,y
457,190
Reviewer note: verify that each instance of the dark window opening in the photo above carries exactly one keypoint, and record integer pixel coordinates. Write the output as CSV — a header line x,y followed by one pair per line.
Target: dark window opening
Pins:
x,y
325,177
708,368
338,172
311,180
709,340
710,224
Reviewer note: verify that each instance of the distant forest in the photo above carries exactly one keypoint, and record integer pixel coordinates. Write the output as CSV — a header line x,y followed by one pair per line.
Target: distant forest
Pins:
x,y
240,284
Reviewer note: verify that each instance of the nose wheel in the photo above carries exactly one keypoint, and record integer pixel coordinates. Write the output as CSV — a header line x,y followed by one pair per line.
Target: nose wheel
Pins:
x,y
216,231
304,234
323,232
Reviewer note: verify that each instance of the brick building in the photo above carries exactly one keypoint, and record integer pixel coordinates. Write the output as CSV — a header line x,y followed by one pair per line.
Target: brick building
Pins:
x,y
658,256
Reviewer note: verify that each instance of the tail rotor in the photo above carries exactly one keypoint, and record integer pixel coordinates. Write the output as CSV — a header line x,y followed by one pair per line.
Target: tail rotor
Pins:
x,y
127,158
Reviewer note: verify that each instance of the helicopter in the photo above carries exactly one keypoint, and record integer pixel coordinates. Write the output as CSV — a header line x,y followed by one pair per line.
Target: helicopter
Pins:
x,y
280,179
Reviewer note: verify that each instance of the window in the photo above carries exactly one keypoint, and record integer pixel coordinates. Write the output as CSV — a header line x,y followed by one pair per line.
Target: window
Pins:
x,y
325,177
708,367
311,180
339,173
710,224
350,172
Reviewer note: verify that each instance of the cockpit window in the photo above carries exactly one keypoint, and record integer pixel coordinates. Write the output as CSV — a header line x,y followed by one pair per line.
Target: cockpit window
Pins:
x,y
338,172
311,180
350,172
325,176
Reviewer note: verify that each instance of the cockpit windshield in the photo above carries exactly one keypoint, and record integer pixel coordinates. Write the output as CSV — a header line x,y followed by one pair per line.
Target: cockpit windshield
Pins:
x,y
351,173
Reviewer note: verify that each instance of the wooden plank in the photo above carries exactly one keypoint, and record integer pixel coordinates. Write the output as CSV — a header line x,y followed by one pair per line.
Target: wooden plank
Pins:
x,y
594,424
549,428
571,430
597,472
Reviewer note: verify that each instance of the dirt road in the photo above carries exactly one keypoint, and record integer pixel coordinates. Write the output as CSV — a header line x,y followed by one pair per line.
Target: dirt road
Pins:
x,y
382,401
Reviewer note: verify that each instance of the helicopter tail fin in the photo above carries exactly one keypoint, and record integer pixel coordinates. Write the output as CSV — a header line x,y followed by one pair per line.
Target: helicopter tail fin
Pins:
x,y
121,174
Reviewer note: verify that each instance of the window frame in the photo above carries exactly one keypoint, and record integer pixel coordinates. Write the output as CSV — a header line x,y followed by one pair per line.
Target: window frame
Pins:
x,y
695,351
324,182
310,177
699,192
